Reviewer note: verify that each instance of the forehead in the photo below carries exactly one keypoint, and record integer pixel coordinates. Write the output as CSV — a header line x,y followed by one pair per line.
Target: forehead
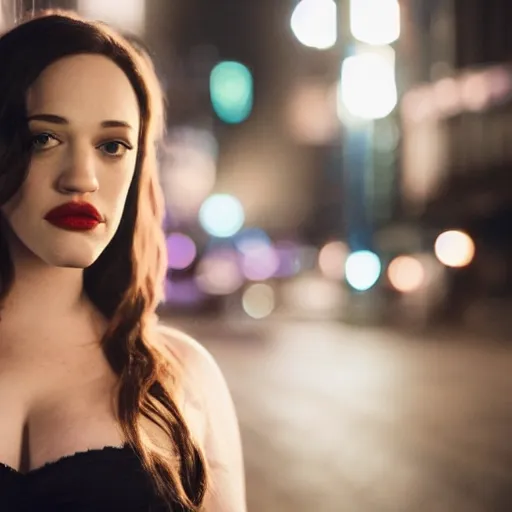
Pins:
x,y
84,88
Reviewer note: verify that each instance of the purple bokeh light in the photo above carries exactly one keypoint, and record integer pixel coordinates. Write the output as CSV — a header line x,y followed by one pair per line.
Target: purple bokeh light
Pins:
x,y
181,251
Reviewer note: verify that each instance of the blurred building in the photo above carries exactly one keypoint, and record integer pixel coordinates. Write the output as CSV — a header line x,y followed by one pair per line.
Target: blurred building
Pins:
x,y
456,119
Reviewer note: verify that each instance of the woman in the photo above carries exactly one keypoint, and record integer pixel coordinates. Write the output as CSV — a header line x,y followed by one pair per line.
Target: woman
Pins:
x,y
101,408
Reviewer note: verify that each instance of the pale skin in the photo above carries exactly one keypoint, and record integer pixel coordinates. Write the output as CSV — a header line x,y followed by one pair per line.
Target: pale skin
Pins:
x,y
56,388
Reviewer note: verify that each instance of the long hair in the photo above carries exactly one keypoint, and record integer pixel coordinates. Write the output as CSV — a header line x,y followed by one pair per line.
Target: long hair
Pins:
x,y
126,282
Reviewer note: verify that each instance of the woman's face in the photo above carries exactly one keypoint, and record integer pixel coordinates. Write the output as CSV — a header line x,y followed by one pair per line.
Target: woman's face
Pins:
x,y
84,118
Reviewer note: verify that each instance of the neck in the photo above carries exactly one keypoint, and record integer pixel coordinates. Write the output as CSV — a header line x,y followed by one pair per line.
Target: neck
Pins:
x,y
44,292
41,289
45,302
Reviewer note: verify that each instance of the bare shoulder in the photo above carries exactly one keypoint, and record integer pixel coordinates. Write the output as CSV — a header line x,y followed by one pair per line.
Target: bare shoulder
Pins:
x,y
184,350
210,413
195,372
198,374
188,351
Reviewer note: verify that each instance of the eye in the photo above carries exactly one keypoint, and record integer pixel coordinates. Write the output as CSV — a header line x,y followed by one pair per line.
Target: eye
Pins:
x,y
115,148
43,141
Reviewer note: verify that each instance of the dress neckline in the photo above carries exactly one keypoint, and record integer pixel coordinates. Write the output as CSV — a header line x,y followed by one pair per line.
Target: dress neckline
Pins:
x,y
78,455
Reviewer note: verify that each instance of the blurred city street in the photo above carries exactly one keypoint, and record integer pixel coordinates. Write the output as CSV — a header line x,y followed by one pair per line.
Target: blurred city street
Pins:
x,y
320,161
337,418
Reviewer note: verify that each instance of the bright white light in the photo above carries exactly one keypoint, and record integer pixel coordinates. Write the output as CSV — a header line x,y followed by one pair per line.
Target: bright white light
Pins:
x,y
128,15
362,270
314,23
368,87
375,22
222,215
454,249
259,300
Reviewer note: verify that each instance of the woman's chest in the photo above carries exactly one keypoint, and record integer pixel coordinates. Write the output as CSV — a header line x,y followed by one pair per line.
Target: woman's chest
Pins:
x,y
50,410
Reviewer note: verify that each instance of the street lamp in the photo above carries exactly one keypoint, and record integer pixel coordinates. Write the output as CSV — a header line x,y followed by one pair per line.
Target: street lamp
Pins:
x,y
314,23
375,22
368,87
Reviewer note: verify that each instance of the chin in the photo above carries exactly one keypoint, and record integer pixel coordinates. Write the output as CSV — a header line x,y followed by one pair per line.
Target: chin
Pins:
x,y
71,262
83,264
75,257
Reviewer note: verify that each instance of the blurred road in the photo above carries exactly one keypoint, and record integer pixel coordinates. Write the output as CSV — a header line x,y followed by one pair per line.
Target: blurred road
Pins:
x,y
341,419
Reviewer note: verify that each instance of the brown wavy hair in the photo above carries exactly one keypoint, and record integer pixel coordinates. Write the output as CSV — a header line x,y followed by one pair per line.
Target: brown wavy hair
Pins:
x,y
126,282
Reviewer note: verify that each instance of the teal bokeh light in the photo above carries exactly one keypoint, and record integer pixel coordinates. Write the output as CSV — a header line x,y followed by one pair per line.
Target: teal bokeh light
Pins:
x,y
231,91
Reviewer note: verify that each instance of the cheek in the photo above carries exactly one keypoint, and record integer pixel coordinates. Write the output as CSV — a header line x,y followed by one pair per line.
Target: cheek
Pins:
x,y
31,194
14,204
116,191
127,179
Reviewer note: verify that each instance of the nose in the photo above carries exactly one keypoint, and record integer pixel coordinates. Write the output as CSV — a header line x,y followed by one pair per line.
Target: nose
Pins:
x,y
79,174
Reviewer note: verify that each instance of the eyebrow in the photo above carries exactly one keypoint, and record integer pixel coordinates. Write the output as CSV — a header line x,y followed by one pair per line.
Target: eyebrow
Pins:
x,y
52,118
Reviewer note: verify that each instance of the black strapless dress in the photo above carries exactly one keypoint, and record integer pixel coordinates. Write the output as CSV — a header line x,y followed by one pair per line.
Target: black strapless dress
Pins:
x,y
110,479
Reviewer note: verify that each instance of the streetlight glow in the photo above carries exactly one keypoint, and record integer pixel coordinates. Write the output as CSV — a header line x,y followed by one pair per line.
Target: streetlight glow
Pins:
x,y
375,22
314,23
368,87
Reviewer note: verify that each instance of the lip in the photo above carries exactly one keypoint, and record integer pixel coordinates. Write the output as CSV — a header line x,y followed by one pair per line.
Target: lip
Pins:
x,y
74,216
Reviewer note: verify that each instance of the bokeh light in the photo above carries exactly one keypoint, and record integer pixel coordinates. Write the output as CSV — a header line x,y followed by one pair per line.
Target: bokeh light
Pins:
x,y
258,300
362,270
368,87
406,274
314,23
231,91
183,292
375,22
332,258
247,238
181,251
471,91
218,272
260,260
222,215
454,249
475,91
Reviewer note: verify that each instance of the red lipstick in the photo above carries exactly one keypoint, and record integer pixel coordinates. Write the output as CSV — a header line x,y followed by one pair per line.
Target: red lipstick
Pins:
x,y
74,216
